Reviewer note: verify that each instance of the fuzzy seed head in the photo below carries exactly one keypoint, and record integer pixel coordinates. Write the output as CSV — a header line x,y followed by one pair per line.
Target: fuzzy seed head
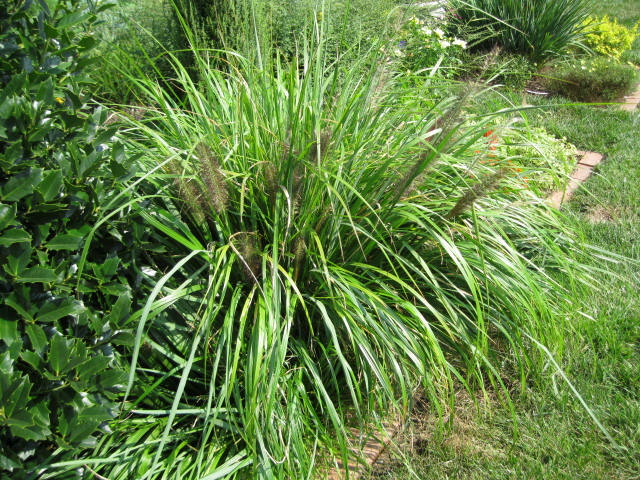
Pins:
x,y
213,179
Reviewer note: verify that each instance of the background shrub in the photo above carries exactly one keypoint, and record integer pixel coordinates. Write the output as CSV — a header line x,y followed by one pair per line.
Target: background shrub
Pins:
x,y
129,33
608,37
137,34
286,26
538,29
59,167
592,79
423,47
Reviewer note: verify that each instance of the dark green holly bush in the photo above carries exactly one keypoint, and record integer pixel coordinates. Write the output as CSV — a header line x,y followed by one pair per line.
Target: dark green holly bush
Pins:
x,y
63,281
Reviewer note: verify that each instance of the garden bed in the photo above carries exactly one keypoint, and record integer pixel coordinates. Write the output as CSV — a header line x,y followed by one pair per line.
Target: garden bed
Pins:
x,y
293,238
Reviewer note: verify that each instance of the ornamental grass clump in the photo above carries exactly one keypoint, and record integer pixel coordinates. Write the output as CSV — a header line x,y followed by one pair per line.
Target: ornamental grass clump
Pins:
x,y
538,29
321,248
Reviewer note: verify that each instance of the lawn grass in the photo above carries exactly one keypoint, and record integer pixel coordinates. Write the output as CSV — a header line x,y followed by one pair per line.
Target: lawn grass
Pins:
x,y
555,438
626,11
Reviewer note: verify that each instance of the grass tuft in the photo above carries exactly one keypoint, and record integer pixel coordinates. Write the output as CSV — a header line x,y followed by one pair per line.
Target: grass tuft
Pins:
x,y
345,249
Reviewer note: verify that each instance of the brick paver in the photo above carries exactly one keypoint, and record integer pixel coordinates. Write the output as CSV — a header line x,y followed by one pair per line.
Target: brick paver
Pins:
x,y
583,170
631,101
370,452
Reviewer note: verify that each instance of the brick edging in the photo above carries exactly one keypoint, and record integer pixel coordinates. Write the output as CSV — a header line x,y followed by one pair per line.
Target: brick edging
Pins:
x,y
365,456
630,102
587,161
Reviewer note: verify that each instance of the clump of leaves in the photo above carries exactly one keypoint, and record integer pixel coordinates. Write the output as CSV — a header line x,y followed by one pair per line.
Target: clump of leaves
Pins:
x,y
58,168
592,79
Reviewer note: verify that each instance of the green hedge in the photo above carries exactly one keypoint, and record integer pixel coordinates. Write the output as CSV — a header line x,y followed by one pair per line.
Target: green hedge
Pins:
x,y
59,168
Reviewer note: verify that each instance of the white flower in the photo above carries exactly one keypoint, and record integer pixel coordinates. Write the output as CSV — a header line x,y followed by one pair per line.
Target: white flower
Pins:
x,y
460,43
439,32
445,43
398,53
426,31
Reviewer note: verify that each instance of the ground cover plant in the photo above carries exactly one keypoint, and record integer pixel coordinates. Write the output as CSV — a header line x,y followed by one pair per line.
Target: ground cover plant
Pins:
x,y
596,79
542,161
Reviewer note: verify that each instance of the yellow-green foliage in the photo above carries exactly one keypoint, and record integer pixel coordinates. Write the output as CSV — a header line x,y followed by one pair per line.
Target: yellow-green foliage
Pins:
x,y
608,37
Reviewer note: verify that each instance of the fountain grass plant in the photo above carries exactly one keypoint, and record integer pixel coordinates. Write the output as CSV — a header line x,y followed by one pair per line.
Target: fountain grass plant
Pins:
x,y
322,245
538,29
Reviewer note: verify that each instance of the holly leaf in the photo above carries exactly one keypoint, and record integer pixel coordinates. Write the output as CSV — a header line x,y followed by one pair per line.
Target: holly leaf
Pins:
x,y
15,235
38,275
66,241
58,353
21,185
